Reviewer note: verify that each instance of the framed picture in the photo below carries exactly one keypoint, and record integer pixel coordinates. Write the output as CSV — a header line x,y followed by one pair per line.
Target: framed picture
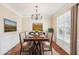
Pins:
x,y
9,25
37,26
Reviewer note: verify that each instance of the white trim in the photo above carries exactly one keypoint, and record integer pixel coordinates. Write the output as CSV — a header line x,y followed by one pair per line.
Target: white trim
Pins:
x,y
7,6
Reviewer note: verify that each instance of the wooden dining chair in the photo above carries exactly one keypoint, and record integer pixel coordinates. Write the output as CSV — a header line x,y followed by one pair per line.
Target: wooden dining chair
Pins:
x,y
31,33
26,34
41,33
47,46
25,46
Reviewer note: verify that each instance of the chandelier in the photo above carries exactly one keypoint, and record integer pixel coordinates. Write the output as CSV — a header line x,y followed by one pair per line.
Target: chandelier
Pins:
x,y
37,15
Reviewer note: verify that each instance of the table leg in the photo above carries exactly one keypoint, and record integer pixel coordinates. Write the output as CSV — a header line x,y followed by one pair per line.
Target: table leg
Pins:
x,y
36,48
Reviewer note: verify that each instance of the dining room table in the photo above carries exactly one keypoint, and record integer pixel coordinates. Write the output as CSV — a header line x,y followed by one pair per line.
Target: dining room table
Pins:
x,y
37,43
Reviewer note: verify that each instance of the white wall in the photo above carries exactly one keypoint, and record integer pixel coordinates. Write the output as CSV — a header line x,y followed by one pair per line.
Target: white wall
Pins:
x,y
9,39
27,23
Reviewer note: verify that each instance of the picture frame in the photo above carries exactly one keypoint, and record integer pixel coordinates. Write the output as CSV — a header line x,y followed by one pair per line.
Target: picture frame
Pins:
x,y
9,25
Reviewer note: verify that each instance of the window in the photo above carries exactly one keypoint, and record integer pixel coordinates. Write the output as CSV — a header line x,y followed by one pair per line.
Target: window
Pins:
x,y
64,30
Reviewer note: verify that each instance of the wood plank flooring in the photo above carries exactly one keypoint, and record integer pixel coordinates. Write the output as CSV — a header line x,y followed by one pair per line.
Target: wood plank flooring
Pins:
x,y
16,50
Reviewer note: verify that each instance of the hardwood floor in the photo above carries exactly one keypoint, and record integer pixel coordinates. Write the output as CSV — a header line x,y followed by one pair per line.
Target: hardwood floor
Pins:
x,y
16,49
59,49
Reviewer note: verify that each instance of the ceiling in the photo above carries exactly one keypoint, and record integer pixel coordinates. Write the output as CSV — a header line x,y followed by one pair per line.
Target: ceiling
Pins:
x,y
27,9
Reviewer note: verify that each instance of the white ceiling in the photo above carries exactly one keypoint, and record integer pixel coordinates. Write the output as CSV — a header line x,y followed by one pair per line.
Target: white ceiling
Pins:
x,y
45,9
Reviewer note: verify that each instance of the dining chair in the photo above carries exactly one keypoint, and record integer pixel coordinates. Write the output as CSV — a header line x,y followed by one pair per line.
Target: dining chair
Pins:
x,y
25,46
26,34
41,33
47,46
31,33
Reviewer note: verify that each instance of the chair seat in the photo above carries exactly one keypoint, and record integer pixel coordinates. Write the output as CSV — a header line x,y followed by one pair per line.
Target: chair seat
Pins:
x,y
27,44
42,35
46,44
